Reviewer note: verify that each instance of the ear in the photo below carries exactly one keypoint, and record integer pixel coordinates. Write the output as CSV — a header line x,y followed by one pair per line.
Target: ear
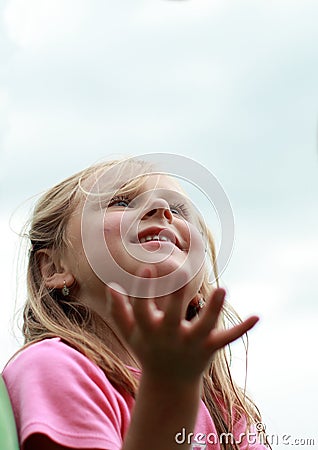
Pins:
x,y
54,274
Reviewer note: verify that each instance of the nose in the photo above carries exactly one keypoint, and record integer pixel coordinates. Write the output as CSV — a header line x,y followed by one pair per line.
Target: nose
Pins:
x,y
158,208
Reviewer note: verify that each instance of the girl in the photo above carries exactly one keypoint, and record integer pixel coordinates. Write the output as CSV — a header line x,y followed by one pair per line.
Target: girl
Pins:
x,y
124,335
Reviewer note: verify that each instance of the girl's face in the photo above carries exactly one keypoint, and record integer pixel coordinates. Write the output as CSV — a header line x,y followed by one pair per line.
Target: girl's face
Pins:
x,y
114,238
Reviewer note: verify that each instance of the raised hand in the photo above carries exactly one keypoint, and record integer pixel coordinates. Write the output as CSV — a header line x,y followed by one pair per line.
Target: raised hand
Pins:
x,y
167,345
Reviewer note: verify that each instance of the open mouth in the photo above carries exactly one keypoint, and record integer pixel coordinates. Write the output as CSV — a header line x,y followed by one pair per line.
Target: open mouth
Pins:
x,y
163,235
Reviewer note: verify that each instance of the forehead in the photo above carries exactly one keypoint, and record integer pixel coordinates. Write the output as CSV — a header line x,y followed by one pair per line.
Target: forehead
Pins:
x,y
160,181
116,181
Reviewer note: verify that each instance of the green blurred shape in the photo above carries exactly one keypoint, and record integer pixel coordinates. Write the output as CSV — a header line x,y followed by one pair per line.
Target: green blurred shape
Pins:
x,y
8,431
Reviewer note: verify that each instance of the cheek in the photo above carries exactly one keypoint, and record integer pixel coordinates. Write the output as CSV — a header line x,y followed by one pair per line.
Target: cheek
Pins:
x,y
114,234
193,237
196,251
112,227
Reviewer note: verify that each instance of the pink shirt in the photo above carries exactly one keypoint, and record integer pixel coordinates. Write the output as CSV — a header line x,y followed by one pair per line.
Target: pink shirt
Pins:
x,y
57,391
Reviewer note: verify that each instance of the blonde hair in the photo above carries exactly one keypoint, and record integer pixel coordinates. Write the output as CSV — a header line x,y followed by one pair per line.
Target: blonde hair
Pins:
x,y
47,314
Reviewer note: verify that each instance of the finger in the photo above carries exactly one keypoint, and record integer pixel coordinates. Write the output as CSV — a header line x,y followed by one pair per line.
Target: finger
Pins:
x,y
144,309
209,315
141,285
121,310
146,314
220,338
175,302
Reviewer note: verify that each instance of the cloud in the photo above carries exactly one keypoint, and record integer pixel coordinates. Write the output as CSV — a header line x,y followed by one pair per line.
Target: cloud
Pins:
x,y
4,99
10,337
238,70
273,273
37,23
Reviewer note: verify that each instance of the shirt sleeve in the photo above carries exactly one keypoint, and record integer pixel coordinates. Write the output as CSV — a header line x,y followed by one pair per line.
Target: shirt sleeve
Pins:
x,y
57,391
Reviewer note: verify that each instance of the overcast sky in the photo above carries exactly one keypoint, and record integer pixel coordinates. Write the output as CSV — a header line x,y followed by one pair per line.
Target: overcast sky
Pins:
x,y
232,85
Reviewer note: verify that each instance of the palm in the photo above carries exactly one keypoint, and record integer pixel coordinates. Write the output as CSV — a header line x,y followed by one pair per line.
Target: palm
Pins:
x,y
164,342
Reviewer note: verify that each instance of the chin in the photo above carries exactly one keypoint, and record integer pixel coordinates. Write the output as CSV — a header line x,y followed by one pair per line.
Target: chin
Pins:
x,y
167,267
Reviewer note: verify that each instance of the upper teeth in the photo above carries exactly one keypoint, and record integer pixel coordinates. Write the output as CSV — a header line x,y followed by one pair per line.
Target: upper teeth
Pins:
x,y
154,237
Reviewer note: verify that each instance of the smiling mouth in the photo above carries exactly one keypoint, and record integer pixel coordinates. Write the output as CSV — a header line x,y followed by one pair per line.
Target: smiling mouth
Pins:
x,y
155,237
162,236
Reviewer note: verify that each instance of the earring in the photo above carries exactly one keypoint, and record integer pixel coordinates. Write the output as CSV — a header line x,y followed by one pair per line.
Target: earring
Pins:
x,y
195,306
198,302
65,290
201,303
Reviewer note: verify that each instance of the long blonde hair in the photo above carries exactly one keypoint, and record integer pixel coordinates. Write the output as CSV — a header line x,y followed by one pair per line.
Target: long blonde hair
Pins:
x,y
47,314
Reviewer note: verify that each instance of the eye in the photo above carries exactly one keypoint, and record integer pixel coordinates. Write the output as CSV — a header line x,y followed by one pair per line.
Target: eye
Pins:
x,y
119,201
179,209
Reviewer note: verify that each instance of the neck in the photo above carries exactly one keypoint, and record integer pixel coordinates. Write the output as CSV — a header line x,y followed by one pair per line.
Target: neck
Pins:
x,y
115,343
106,328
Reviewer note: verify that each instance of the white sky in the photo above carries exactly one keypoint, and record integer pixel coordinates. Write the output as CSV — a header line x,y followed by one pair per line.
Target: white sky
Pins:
x,y
231,84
